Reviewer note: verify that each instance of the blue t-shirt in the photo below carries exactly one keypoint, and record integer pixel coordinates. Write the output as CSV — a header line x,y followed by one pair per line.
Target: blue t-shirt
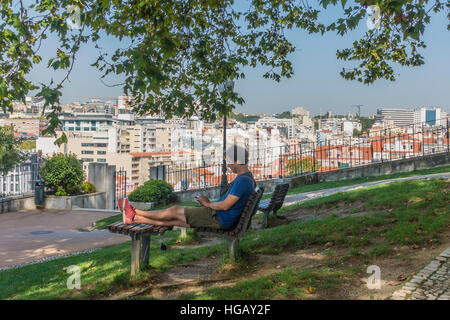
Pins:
x,y
242,187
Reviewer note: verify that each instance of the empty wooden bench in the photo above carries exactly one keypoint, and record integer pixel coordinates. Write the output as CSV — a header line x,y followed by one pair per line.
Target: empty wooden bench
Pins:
x,y
233,235
140,241
275,203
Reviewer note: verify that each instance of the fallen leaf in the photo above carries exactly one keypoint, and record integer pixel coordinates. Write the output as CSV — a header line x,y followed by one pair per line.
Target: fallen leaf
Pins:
x,y
402,277
329,244
310,290
394,283
415,246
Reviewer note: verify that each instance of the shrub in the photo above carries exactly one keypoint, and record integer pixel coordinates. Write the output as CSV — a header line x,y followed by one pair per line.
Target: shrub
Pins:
x,y
63,171
152,191
61,192
88,187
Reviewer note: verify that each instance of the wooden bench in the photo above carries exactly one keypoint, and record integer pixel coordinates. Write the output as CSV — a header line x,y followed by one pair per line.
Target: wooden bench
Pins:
x,y
275,203
140,233
233,235
140,241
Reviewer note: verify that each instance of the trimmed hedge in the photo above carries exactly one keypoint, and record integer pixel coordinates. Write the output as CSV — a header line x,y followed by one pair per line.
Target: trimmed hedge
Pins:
x,y
152,191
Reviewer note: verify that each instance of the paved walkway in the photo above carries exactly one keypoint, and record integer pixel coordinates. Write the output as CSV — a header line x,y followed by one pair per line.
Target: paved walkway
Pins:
x,y
28,236
431,283
295,198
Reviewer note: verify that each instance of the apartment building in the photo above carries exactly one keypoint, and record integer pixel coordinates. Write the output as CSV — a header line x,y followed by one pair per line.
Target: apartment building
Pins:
x,y
27,126
87,122
400,117
286,126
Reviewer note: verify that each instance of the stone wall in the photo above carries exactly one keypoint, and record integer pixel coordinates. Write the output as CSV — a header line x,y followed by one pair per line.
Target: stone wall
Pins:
x,y
89,201
103,177
16,203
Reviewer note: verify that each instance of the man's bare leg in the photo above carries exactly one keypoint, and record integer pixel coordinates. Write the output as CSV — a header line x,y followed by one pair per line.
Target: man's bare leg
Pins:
x,y
144,220
163,215
173,216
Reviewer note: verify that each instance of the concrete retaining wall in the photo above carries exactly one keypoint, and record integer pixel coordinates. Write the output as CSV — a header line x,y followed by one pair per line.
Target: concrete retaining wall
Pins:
x,y
383,168
374,169
103,177
93,201
16,203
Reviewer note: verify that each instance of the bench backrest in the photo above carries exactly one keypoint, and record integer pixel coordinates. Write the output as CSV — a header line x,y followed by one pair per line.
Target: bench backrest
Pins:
x,y
243,222
249,210
276,202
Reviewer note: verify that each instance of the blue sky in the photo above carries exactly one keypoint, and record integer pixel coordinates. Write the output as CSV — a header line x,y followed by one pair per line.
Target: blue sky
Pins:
x,y
316,85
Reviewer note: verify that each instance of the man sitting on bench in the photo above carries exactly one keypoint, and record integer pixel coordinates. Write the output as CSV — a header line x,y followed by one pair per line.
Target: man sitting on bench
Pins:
x,y
221,214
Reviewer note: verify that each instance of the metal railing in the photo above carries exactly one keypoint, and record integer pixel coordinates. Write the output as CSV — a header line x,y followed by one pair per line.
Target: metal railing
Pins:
x,y
19,180
388,144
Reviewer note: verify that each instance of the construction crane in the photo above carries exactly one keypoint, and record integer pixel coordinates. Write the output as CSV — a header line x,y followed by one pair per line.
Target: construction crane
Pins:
x,y
358,106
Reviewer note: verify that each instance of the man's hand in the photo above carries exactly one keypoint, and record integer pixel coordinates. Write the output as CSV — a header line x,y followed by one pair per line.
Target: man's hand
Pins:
x,y
203,200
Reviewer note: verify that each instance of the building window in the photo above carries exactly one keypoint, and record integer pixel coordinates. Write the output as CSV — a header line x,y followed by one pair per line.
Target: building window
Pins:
x,y
87,152
101,145
87,159
101,160
101,152
87,144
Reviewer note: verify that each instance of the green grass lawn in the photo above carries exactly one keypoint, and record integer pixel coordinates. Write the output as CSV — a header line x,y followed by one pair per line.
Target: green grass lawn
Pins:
x,y
100,271
408,213
350,182
286,284
402,213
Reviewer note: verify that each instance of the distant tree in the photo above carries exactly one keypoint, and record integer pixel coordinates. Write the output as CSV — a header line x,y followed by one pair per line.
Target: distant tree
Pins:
x,y
242,117
356,132
366,123
316,125
10,154
297,166
28,145
284,115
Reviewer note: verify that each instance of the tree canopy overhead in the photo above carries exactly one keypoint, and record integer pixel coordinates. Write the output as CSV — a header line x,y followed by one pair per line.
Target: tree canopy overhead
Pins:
x,y
178,52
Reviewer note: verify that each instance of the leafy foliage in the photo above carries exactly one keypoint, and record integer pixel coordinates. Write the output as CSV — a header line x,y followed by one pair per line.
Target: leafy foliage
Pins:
x,y
28,145
307,164
176,53
10,155
63,173
152,191
61,192
87,187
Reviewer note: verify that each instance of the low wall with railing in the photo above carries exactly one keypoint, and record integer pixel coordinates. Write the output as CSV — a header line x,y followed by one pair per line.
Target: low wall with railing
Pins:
x,y
375,169
383,168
